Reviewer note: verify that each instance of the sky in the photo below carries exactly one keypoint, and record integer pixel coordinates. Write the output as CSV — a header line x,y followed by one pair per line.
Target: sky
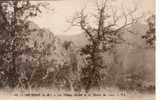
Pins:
x,y
55,19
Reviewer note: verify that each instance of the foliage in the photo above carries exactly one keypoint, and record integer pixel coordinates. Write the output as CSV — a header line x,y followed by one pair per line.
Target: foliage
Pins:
x,y
32,58
14,36
150,34
103,36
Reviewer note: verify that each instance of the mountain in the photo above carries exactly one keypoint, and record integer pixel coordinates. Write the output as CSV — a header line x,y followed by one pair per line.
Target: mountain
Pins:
x,y
137,30
58,53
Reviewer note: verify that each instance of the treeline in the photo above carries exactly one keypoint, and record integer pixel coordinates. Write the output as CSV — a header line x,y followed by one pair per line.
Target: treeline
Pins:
x,y
31,57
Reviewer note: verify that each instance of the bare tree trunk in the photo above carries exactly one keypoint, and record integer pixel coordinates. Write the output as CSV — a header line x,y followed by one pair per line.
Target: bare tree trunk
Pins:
x,y
13,75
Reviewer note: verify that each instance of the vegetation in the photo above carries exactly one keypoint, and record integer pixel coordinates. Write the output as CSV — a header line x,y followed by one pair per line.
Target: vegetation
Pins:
x,y
31,57
150,34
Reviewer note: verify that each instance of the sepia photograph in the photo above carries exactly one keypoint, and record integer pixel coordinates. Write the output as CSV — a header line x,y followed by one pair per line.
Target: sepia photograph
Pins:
x,y
81,49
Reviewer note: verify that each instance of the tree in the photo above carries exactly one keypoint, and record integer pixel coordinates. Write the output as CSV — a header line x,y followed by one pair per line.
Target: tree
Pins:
x,y
67,76
150,34
39,61
102,37
15,14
